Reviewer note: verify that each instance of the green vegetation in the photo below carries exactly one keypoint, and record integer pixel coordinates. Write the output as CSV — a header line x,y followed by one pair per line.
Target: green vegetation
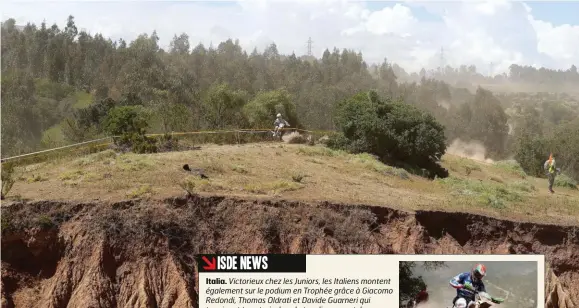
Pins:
x,y
484,193
393,131
564,180
129,123
259,111
511,166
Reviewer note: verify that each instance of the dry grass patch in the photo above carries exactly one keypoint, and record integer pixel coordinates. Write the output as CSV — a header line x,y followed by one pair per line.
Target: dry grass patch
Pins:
x,y
213,166
511,167
36,178
320,151
71,175
370,162
106,157
275,187
194,185
460,165
239,169
305,173
134,162
140,192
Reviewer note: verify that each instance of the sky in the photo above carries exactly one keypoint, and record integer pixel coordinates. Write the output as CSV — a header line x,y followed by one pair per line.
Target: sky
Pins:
x,y
489,34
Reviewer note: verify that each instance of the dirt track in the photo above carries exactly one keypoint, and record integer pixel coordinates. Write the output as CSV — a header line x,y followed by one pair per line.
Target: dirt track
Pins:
x,y
141,255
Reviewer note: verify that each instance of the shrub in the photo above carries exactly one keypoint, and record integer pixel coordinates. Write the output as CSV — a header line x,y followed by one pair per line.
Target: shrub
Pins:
x,y
126,120
129,123
566,181
531,153
261,111
142,144
168,143
7,178
394,131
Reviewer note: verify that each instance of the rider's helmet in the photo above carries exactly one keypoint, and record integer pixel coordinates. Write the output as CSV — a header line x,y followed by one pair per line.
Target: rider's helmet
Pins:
x,y
279,115
478,272
460,303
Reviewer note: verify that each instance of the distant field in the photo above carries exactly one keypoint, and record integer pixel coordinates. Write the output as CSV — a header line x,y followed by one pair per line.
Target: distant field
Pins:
x,y
300,172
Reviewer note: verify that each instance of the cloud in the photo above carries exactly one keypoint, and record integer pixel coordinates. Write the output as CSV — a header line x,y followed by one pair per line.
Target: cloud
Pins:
x,y
558,42
480,33
396,20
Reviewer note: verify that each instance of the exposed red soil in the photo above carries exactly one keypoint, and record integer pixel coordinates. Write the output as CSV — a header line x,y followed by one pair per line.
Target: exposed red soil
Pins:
x,y
142,254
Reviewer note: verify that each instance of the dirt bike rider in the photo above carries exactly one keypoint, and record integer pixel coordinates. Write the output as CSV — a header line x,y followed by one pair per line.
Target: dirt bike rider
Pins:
x,y
279,120
466,282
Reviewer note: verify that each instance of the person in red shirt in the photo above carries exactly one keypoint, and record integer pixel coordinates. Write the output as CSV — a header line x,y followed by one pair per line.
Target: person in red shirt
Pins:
x,y
422,296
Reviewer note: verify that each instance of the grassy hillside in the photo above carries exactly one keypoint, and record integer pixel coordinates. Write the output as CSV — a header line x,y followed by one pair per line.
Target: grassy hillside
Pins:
x,y
302,173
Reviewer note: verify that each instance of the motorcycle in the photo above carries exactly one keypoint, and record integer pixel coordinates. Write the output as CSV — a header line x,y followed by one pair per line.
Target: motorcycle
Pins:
x,y
481,300
278,134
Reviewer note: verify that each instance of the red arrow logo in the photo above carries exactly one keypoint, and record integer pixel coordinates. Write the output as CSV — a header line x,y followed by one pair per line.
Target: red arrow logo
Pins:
x,y
211,265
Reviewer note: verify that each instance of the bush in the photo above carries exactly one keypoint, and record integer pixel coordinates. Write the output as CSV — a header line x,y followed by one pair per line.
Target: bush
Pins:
x,y
394,131
168,143
531,153
129,123
261,111
126,120
566,181
141,144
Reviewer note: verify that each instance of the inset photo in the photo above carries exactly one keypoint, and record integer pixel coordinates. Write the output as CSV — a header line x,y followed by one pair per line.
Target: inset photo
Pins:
x,y
466,284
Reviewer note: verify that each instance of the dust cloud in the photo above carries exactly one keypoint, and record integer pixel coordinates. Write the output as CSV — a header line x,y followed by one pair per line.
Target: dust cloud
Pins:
x,y
514,281
474,150
444,104
290,136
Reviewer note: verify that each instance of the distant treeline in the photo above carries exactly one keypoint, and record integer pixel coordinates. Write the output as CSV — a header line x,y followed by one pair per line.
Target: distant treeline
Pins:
x,y
58,85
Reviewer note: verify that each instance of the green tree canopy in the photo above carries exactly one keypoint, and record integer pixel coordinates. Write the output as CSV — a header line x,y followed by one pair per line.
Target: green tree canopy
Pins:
x,y
261,111
391,130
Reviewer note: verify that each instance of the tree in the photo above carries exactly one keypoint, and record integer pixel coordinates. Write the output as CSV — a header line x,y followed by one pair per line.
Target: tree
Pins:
x,y
566,145
261,111
180,44
531,152
222,106
394,131
46,68
485,120
174,117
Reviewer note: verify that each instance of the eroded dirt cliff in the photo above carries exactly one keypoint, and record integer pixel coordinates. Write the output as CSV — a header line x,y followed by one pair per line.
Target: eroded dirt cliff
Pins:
x,y
141,254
